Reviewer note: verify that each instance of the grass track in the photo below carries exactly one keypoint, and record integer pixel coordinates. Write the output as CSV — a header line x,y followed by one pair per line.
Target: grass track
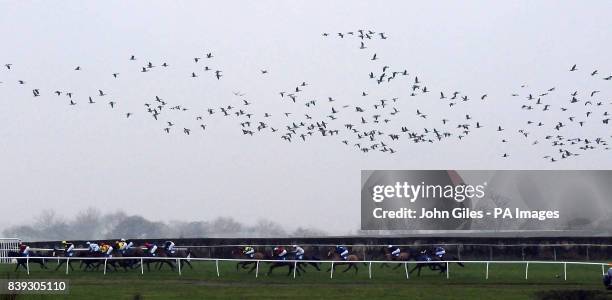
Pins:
x,y
506,281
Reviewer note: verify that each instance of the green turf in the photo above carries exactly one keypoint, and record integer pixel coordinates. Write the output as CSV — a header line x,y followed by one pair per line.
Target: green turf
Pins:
x,y
506,281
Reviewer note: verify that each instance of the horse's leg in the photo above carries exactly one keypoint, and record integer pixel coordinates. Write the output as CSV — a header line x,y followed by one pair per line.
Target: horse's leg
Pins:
x,y
347,268
442,268
171,264
59,264
252,268
302,267
272,267
399,265
414,268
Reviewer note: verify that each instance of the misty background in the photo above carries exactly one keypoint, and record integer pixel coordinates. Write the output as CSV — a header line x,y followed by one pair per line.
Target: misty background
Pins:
x,y
91,224
56,163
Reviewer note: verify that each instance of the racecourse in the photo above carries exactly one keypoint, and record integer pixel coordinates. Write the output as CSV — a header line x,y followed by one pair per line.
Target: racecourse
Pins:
x,y
506,281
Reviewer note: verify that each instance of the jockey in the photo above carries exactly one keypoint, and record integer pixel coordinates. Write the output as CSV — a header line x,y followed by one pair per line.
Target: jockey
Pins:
x,y
106,249
394,250
280,252
151,249
425,255
248,251
24,250
68,249
122,246
298,251
93,247
439,252
169,247
128,244
342,251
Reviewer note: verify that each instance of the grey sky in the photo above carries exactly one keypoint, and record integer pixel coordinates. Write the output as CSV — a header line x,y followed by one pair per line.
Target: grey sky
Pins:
x,y
70,158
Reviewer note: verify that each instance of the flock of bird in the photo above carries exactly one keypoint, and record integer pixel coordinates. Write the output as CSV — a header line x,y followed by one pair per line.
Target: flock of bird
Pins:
x,y
368,123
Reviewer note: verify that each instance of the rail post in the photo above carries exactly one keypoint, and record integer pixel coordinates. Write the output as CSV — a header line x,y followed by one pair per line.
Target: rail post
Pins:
x,y
370,270
28,264
256,269
67,265
487,276
564,271
105,260
217,263
526,270
294,268
178,262
587,253
141,266
331,274
406,269
603,272
447,270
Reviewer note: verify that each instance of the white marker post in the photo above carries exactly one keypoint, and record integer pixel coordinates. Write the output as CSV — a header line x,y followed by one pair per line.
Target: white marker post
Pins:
x,y
487,276
106,259
178,262
447,270
526,270
370,270
67,265
406,268
256,269
141,266
564,271
294,268
331,274
28,264
217,263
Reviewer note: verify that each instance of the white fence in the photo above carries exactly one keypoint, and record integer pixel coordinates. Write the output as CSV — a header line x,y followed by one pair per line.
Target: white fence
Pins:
x,y
369,263
7,245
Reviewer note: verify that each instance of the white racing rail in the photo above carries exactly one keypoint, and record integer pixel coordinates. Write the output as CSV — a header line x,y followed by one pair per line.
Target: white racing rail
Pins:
x,y
7,245
331,275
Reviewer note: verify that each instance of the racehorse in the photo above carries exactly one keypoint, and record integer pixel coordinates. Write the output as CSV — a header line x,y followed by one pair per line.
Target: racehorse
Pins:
x,y
302,265
179,253
283,263
238,254
62,261
23,261
425,259
94,264
403,256
350,261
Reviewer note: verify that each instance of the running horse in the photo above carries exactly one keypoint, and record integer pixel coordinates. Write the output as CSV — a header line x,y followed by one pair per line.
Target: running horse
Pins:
x,y
426,259
403,256
351,261
23,261
238,254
